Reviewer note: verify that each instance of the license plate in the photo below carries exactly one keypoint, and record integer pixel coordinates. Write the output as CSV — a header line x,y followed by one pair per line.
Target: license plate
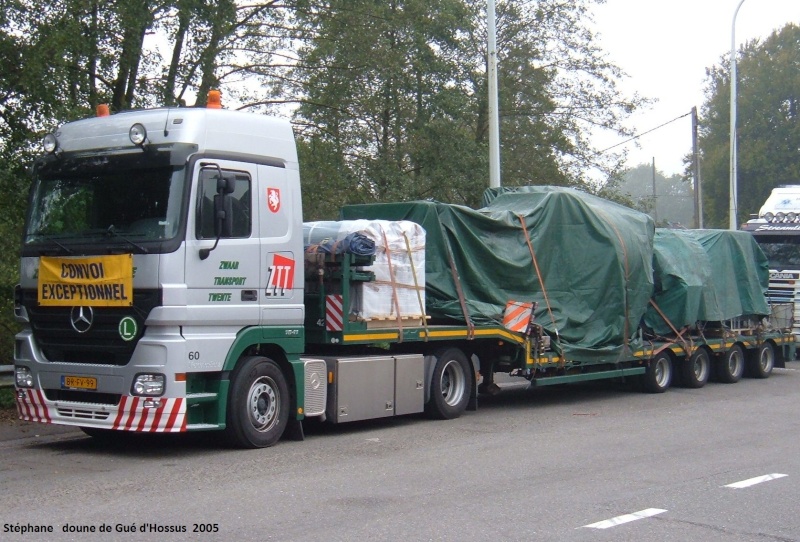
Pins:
x,y
79,382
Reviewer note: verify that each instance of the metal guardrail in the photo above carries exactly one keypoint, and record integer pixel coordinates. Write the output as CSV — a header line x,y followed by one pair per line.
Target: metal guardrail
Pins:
x,y
6,376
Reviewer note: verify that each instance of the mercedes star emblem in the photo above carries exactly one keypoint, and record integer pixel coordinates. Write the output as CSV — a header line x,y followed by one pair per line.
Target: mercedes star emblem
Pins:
x,y
81,318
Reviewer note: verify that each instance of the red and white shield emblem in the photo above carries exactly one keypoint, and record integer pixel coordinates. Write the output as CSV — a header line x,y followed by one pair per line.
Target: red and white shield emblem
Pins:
x,y
274,199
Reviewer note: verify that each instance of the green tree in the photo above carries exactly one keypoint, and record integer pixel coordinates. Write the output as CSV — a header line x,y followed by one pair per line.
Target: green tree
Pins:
x,y
380,86
398,90
768,104
556,88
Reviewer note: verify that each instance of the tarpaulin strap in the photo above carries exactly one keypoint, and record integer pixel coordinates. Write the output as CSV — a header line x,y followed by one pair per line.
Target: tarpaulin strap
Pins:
x,y
660,349
396,301
539,276
457,282
416,284
687,347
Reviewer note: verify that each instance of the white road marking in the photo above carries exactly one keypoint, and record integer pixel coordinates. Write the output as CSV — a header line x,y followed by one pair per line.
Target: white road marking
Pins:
x,y
619,520
756,480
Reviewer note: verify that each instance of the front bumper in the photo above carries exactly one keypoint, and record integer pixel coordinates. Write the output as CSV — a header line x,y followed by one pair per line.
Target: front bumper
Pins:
x,y
157,415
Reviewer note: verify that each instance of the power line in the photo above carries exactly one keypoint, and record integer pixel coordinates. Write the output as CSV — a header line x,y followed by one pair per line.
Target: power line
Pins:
x,y
637,136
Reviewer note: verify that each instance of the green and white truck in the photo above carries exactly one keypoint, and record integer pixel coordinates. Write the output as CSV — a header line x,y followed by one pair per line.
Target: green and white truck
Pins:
x,y
168,284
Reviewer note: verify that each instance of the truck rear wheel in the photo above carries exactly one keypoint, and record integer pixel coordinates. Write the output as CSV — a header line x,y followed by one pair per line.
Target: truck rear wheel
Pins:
x,y
696,370
761,361
658,375
258,404
730,365
450,385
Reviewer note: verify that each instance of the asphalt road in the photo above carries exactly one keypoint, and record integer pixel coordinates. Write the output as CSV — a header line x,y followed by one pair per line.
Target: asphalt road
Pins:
x,y
596,462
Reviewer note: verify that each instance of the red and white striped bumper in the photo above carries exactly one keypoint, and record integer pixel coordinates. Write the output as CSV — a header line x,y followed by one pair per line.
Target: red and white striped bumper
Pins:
x,y
160,415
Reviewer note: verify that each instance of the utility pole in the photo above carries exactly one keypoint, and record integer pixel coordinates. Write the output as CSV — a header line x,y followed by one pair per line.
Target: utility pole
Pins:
x,y
698,191
655,201
733,144
494,113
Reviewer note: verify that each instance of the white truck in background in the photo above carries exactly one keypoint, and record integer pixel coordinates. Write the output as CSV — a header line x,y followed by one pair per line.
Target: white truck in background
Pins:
x,y
776,228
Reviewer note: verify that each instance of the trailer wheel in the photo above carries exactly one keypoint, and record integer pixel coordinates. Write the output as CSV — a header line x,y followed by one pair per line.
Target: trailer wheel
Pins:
x,y
761,361
258,404
730,365
658,376
449,386
696,370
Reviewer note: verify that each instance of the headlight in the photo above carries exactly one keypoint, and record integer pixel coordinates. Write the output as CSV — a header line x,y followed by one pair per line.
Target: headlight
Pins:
x,y
780,216
138,134
150,385
768,217
24,378
50,143
791,217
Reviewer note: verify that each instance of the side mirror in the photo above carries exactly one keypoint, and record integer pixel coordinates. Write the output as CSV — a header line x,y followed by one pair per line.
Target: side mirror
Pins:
x,y
223,209
223,215
226,183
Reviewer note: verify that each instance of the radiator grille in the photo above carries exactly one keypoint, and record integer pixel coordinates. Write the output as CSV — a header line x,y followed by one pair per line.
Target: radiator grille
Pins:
x,y
101,344
82,413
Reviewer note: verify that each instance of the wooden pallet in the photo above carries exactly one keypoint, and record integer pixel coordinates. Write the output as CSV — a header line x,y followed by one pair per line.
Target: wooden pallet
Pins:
x,y
393,322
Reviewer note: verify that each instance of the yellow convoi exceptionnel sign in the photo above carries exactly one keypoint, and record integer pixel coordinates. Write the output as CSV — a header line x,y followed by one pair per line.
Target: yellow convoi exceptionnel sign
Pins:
x,y
98,281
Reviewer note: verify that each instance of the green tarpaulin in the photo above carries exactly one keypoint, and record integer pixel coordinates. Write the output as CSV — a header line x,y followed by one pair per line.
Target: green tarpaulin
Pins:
x,y
590,264
594,261
707,275
739,273
683,286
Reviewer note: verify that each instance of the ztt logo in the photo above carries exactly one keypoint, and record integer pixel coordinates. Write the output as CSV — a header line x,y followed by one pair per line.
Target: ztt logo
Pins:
x,y
274,199
281,276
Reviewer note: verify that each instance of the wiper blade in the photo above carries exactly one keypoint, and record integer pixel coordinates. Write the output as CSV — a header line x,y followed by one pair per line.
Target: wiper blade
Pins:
x,y
62,246
112,232
51,239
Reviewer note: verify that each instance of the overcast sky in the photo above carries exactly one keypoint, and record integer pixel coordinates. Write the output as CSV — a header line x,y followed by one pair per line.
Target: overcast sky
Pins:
x,y
665,48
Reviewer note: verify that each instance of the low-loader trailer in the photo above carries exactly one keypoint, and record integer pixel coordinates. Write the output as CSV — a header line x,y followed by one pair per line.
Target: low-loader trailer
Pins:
x,y
166,285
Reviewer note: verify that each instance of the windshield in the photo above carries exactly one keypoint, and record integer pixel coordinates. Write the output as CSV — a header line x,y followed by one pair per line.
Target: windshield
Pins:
x,y
783,253
102,204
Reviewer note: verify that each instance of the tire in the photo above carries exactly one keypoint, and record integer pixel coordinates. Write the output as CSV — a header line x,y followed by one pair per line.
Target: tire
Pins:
x,y
450,385
761,361
730,365
696,369
258,404
658,376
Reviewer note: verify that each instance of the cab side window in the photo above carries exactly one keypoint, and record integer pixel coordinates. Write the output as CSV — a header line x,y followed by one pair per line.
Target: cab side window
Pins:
x,y
241,205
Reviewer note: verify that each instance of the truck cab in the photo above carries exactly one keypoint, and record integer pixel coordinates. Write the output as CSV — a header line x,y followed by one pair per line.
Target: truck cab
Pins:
x,y
155,243
776,228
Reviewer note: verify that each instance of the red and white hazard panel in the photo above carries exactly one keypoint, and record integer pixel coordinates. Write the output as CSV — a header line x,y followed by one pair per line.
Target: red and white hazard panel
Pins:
x,y
517,316
168,417
32,408
334,313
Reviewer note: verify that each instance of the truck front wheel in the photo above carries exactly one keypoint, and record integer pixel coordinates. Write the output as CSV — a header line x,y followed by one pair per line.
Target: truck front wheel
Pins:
x,y
450,385
258,404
